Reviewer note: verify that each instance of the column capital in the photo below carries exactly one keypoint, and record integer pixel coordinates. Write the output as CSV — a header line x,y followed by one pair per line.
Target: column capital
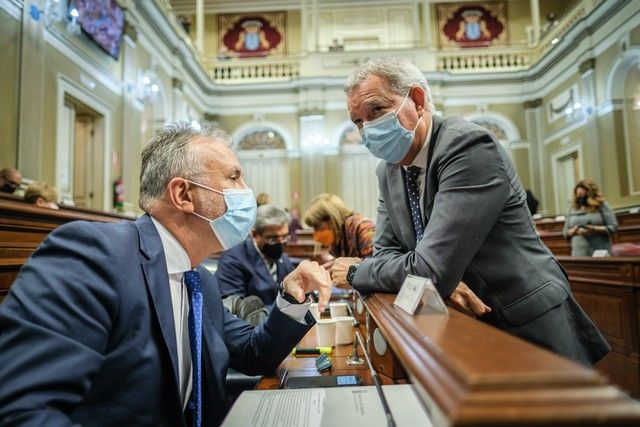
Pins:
x,y
177,83
130,31
534,103
587,65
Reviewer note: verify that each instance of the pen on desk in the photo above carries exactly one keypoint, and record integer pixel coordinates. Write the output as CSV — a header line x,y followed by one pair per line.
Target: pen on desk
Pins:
x,y
378,384
300,351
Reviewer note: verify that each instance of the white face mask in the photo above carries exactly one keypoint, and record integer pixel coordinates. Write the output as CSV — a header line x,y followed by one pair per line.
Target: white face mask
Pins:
x,y
386,138
234,226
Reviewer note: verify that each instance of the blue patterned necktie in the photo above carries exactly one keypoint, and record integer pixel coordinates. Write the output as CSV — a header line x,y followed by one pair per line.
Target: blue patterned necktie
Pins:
x,y
194,286
413,193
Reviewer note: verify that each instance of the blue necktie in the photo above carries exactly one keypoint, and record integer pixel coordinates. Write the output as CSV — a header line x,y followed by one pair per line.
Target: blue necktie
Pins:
x,y
413,193
194,286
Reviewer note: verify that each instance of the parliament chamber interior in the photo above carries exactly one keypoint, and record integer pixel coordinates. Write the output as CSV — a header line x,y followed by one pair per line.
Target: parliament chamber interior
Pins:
x,y
526,112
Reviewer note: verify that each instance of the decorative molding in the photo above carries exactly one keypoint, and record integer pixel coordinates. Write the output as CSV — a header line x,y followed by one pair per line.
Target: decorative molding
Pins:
x,y
130,31
243,130
569,127
535,103
177,83
566,150
85,62
66,86
587,65
608,106
13,8
500,120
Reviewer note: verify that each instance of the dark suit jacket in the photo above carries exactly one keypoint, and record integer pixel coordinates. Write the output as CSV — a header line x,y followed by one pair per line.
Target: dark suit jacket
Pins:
x,y
87,334
242,271
479,230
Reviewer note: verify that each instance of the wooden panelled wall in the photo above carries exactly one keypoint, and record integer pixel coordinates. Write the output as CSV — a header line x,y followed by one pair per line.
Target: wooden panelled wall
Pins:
x,y
608,289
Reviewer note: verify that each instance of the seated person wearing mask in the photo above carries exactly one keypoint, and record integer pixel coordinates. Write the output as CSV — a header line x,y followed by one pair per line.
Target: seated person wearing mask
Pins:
x,y
118,323
41,194
10,180
259,264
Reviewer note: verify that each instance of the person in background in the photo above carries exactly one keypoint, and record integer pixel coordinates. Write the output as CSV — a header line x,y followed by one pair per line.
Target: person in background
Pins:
x,y
452,209
119,323
258,265
344,232
41,194
263,199
10,180
532,203
591,223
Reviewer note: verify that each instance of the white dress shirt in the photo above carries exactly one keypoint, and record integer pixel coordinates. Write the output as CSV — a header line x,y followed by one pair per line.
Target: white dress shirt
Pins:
x,y
177,263
421,162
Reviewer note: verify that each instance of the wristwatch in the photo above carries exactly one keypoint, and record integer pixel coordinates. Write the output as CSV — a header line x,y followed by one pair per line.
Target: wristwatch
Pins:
x,y
290,298
351,273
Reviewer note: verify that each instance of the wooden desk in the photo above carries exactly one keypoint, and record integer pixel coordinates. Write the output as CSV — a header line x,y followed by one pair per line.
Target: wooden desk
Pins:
x,y
23,227
305,365
608,290
469,373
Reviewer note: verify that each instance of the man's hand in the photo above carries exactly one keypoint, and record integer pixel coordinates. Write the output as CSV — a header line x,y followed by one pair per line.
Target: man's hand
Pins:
x,y
340,268
464,300
309,276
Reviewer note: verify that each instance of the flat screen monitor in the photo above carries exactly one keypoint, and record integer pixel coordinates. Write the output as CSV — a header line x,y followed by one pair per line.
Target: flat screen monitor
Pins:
x,y
103,21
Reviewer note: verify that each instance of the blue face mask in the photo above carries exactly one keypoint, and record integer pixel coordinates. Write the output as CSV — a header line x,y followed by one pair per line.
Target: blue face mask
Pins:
x,y
234,226
386,138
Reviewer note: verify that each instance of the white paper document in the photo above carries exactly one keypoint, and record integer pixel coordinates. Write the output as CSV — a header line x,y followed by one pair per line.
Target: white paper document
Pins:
x,y
325,407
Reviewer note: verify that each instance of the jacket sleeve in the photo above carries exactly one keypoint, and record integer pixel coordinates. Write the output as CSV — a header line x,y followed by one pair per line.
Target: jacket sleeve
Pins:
x,y
609,219
54,327
260,350
473,189
231,275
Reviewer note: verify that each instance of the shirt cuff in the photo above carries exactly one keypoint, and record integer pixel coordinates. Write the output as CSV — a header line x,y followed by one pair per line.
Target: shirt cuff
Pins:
x,y
295,311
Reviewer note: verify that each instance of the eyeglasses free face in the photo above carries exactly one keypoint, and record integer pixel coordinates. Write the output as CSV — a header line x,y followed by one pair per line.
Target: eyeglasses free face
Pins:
x,y
272,239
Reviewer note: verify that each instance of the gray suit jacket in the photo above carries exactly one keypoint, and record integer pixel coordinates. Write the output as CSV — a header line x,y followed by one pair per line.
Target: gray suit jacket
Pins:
x,y
479,230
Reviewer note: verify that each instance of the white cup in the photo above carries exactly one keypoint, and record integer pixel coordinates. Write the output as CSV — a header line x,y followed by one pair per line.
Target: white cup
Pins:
x,y
315,312
344,330
338,309
326,332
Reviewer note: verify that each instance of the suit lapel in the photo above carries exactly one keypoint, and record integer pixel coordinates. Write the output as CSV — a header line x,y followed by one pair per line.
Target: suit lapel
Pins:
x,y
260,266
429,192
154,267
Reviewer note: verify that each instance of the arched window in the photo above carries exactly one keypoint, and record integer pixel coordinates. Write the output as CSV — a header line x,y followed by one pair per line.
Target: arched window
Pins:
x,y
350,135
623,91
263,139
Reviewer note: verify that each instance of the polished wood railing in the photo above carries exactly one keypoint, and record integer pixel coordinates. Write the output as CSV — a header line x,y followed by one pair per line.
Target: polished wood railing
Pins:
x,y
23,227
550,231
469,373
608,290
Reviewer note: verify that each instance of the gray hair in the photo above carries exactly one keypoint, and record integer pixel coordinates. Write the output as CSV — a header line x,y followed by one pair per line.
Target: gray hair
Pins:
x,y
400,74
269,216
169,155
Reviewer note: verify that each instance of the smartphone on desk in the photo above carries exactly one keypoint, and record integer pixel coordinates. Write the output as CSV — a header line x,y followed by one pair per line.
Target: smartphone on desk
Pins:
x,y
323,381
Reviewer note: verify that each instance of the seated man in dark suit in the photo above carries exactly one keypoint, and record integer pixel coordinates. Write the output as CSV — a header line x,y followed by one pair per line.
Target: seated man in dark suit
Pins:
x,y
259,264
118,324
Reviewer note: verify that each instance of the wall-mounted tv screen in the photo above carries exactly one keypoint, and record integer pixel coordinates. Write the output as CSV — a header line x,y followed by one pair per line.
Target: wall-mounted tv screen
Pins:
x,y
103,21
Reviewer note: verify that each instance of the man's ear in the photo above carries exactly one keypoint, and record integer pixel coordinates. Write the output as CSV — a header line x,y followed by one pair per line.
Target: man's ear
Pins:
x,y
41,202
418,95
180,195
253,233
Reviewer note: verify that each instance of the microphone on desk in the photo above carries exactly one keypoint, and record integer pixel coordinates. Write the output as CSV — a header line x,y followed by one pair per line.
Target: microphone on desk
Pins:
x,y
378,384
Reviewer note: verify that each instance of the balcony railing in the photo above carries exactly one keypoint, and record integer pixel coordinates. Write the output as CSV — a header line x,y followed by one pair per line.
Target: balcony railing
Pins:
x,y
245,71
461,61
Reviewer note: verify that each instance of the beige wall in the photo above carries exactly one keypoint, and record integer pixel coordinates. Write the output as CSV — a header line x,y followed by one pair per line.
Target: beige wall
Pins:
x,y
10,48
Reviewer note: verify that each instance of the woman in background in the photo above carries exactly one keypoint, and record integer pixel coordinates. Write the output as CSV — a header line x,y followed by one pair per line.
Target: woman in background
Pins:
x,y
591,222
344,232
41,194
